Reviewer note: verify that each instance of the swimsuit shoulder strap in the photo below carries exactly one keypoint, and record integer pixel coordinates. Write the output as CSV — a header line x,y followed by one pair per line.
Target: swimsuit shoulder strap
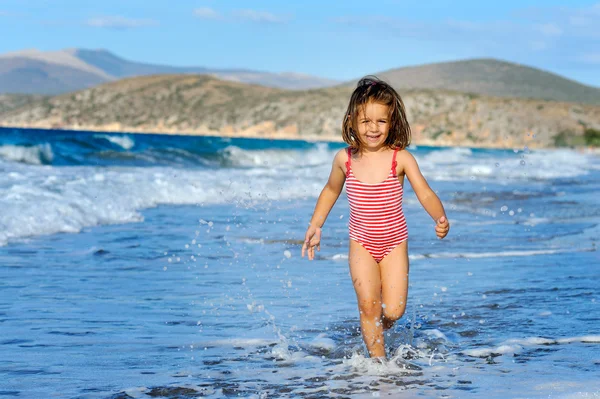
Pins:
x,y
394,163
349,161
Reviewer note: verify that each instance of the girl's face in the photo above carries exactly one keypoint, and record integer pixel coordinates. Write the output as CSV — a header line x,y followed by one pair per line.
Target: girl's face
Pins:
x,y
373,125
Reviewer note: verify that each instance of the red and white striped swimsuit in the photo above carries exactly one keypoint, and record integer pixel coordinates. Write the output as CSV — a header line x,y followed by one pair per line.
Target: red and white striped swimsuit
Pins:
x,y
376,218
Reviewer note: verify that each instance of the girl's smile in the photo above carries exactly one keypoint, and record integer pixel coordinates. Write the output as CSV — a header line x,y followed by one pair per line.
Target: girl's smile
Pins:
x,y
373,125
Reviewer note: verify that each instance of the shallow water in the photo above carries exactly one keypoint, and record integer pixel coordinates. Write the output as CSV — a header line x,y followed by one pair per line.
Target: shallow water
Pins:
x,y
180,276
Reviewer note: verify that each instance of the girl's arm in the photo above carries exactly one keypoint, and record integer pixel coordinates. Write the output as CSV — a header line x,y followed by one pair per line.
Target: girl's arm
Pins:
x,y
427,197
327,199
331,191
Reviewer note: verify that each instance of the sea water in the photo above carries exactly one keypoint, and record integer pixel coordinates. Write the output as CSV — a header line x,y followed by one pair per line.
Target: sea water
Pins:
x,y
158,266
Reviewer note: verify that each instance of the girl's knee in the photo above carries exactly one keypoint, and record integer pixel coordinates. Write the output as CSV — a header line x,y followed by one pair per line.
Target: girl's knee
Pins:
x,y
394,312
370,307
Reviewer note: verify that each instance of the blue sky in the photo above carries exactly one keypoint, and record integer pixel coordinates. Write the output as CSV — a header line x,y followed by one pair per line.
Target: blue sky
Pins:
x,y
335,39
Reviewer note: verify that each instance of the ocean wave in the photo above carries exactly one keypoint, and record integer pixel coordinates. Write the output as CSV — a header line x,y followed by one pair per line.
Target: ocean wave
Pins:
x,y
124,142
120,149
320,154
40,201
40,154
456,164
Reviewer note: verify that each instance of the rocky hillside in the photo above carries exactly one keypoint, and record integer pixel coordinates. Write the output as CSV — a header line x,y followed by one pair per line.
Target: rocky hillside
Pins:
x,y
9,102
199,104
494,78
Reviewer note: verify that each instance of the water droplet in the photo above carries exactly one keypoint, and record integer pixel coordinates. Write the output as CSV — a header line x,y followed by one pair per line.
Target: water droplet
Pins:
x,y
287,254
504,208
511,213
523,162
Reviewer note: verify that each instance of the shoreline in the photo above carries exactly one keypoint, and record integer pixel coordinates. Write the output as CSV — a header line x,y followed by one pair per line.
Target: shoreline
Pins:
x,y
274,136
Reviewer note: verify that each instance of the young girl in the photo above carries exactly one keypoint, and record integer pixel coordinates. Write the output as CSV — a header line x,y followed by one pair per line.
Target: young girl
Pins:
x,y
373,168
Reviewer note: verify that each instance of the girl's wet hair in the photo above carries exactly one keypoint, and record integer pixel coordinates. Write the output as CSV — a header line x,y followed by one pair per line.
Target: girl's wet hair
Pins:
x,y
372,89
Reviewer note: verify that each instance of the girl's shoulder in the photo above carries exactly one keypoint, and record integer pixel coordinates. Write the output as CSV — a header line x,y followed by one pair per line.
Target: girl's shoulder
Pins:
x,y
341,157
404,153
406,160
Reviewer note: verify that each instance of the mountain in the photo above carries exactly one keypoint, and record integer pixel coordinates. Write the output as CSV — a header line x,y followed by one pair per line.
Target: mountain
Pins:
x,y
35,72
202,104
491,77
56,72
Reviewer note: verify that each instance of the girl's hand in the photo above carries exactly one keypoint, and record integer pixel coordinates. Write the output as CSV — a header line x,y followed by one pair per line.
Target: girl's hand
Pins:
x,y
442,227
312,240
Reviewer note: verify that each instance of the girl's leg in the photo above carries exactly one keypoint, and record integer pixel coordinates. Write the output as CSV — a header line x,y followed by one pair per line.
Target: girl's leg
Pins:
x,y
367,284
394,284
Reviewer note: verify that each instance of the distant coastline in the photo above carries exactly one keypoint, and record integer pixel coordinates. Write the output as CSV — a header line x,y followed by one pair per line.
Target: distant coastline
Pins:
x,y
205,106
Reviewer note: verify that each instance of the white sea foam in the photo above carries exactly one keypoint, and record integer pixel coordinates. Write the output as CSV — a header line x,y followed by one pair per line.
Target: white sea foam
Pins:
x,y
124,142
35,155
38,201
45,200
240,342
590,339
576,395
319,155
516,345
460,164
473,255
323,342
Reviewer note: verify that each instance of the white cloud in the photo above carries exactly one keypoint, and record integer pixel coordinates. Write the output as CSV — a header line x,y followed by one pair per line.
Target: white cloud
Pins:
x,y
119,22
579,22
549,29
258,16
206,13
